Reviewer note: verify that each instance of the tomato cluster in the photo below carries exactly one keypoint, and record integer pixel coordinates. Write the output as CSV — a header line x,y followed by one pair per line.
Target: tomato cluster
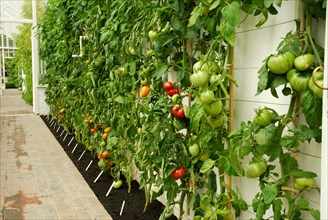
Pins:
x,y
170,90
297,69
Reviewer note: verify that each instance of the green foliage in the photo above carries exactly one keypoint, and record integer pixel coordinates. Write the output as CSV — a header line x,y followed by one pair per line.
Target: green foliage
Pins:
x,y
118,57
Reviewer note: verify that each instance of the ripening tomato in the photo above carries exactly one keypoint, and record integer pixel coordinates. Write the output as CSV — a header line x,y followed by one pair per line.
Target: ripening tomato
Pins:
x,y
179,173
104,154
107,130
144,91
92,130
104,136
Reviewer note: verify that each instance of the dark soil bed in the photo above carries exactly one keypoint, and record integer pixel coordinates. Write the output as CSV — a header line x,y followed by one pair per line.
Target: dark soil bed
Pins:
x,y
134,201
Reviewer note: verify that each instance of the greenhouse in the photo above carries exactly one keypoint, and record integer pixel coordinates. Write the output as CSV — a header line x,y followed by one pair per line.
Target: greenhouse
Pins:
x,y
163,109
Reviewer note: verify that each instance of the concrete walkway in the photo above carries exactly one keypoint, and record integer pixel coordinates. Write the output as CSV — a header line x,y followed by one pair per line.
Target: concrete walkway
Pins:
x,y
38,180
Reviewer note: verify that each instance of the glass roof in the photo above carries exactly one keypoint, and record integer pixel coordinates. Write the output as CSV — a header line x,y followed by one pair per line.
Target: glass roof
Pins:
x,y
10,9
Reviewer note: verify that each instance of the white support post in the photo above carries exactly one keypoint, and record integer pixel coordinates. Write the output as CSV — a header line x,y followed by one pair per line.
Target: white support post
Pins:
x,y
324,145
35,61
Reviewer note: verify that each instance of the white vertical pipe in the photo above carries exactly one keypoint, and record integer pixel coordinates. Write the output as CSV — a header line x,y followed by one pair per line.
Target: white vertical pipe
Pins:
x,y
35,60
324,146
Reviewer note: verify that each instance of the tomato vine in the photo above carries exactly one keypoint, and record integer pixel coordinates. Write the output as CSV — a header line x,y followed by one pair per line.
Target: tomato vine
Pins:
x,y
119,82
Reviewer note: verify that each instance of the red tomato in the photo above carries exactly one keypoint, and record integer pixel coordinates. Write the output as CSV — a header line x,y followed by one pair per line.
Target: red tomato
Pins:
x,y
178,112
168,86
179,173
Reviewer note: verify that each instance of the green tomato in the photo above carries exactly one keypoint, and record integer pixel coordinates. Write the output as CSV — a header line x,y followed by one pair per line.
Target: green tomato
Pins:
x,y
194,150
176,98
152,35
102,164
123,71
207,97
255,169
318,77
303,62
205,155
214,108
281,63
149,53
199,65
217,121
178,124
118,184
200,78
304,183
298,81
263,117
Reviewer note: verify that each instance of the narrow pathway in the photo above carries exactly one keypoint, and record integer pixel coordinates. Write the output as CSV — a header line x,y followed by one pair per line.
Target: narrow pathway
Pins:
x,y
38,180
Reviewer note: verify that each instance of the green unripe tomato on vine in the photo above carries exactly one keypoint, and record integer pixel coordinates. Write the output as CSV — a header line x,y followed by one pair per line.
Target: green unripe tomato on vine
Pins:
x,y
304,183
303,62
298,80
255,169
281,63
207,96
318,77
263,117
194,149
152,35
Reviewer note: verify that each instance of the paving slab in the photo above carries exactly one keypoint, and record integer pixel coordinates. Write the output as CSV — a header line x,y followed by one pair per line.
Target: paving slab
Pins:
x,y
38,179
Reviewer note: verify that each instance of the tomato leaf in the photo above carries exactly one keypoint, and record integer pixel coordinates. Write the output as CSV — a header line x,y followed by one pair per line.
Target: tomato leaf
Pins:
x,y
263,77
266,136
315,214
195,114
215,4
298,173
231,13
303,133
194,16
276,207
160,71
303,203
228,32
270,192
207,165
312,109
212,181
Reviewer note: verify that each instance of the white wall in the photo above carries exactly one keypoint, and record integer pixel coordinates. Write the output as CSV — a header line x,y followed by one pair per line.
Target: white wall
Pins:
x,y
252,46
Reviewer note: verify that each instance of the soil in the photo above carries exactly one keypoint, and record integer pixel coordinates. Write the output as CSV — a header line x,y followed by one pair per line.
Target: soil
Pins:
x,y
134,201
